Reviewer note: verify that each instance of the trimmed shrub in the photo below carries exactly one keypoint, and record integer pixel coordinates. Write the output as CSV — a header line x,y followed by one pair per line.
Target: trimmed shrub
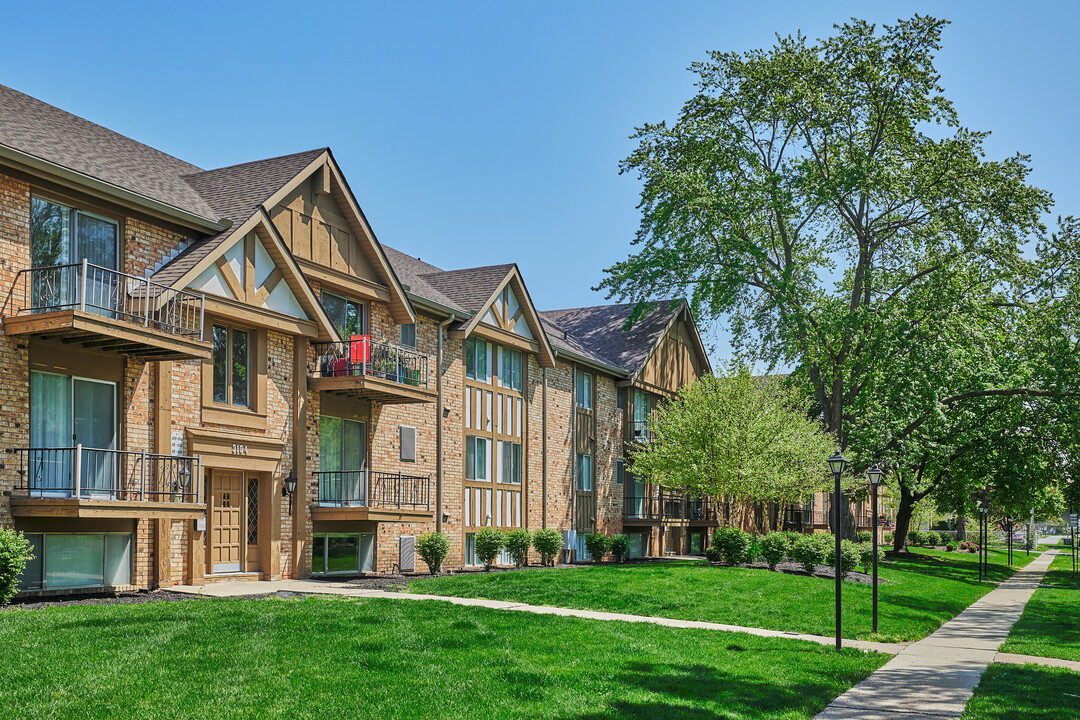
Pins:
x,y
866,556
792,537
863,536
946,537
914,537
889,537
849,557
433,549
598,545
973,550
489,543
15,552
712,554
548,543
773,549
809,552
931,538
733,544
950,547
518,543
620,548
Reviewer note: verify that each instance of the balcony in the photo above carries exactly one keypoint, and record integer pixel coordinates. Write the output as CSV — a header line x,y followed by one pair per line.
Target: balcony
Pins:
x,y
671,508
822,519
368,370
108,310
638,431
88,482
372,495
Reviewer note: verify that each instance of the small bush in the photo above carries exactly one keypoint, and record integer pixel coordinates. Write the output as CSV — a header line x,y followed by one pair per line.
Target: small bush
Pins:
x,y
433,549
950,547
712,554
489,543
548,543
620,548
735,546
863,536
849,557
889,537
914,537
773,548
946,537
809,552
931,538
792,537
15,552
518,543
598,545
973,550
866,556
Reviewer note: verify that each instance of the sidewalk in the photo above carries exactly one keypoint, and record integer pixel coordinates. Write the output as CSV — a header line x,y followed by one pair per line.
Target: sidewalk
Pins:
x,y
319,587
936,676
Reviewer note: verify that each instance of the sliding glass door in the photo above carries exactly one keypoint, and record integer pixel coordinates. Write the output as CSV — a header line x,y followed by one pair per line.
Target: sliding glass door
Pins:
x,y
67,411
63,236
342,461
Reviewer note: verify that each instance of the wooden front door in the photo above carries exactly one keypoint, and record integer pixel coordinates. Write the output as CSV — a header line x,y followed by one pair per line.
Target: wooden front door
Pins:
x,y
227,506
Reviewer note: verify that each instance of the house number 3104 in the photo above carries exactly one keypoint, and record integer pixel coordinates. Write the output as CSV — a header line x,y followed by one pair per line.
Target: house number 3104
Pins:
x,y
239,449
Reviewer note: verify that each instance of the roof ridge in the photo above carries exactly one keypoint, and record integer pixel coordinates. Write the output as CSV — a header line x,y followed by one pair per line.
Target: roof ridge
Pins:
x,y
254,162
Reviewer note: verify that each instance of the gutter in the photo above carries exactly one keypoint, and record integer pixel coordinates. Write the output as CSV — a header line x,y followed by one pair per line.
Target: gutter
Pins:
x,y
440,328
112,192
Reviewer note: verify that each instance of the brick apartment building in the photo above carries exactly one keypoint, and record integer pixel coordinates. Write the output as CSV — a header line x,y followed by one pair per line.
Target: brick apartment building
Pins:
x,y
181,346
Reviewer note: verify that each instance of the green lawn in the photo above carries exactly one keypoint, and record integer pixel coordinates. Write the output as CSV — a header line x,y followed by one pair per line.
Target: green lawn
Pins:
x,y
1028,692
923,592
1050,625
331,658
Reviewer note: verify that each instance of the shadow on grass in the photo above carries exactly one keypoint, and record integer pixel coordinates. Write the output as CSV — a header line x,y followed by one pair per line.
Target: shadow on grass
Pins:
x,y
958,570
697,692
1027,691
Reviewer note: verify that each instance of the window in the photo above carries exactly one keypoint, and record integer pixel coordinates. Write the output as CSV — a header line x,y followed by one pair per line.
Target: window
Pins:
x,y
620,472
408,335
253,511
232,366
342,461
584,390
510,368
343,554
476,458
509,462
347,315
477,366
620,398
78,560
584,472
470,549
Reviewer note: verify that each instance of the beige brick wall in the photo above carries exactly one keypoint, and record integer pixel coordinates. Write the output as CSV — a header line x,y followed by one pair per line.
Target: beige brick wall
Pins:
x,y
14,356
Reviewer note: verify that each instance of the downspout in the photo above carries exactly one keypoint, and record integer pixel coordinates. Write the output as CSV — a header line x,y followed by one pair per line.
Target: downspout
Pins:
x,y
439,423
543,453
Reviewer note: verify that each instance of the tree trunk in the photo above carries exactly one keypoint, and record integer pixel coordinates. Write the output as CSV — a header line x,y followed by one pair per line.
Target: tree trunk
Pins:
x,y
903,518
847,518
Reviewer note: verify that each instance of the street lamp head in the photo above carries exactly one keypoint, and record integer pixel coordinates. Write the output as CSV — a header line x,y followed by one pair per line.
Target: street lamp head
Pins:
x,y
290,484
874,474
837,463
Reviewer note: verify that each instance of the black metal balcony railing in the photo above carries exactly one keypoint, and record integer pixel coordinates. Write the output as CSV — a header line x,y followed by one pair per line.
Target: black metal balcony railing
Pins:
x,y
368,488
95,474
669,507
639,431
823,518
365,357
109,293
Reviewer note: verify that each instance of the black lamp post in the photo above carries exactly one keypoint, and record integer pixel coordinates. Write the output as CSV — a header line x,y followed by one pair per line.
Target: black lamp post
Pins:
x,y
874,476
984,531
837,463
288,489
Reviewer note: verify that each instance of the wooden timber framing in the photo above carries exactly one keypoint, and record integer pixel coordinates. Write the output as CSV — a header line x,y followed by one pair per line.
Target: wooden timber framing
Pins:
x,y
81,508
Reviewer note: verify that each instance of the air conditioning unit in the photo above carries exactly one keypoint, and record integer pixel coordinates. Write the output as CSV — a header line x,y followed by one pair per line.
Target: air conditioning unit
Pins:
x,y
407,554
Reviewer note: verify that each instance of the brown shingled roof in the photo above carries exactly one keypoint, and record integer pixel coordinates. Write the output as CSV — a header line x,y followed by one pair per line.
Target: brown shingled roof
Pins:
x,y
58,137
470,287
600,328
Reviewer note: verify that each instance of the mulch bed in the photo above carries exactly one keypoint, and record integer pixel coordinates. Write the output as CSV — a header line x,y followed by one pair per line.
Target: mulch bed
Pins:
x,y
123,598
822,571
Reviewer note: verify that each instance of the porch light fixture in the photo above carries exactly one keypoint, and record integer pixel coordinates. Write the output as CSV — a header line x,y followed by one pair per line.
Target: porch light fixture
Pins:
x,y
289,487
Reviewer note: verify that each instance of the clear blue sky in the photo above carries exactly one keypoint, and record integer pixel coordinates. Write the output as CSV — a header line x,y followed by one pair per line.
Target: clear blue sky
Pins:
x,y
481,133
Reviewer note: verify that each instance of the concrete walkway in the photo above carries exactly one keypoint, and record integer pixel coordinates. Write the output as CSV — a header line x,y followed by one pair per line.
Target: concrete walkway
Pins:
x,y
320,587
936,676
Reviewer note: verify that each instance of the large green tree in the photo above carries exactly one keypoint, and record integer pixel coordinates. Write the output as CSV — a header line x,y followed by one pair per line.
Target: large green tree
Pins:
x,y
735,436
825,199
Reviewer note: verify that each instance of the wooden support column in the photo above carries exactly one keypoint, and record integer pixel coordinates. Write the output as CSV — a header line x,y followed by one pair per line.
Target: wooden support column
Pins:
x,y
300,537
163,446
